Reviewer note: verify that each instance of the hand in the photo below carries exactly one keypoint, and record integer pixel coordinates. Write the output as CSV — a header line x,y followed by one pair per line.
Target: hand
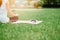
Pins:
x,y
12,14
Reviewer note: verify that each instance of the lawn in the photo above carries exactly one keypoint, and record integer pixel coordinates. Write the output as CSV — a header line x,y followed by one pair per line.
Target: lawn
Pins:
x,y
49,29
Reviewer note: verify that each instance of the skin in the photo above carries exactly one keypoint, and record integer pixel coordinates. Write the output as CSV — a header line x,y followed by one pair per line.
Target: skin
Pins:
x,y
13,17
9,10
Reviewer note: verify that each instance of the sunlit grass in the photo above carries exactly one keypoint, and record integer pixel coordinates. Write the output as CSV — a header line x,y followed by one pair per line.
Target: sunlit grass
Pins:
x,y
49,29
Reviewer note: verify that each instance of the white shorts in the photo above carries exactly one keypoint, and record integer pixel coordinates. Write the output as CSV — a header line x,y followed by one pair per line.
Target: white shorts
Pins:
x,y
4,19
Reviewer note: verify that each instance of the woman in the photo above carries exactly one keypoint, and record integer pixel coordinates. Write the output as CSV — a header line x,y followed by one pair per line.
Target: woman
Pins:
x,y
4,8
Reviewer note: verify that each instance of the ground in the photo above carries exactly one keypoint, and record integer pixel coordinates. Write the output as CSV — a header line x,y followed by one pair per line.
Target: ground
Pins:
x,y
49,29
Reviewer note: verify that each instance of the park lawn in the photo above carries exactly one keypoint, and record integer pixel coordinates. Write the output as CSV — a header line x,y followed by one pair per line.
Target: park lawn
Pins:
x,y
49,29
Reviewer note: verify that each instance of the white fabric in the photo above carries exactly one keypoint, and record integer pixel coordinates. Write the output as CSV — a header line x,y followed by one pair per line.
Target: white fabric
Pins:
x,y
27,21
3,12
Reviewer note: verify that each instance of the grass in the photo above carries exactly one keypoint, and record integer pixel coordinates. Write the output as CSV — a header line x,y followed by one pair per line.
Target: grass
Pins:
x,y
49,29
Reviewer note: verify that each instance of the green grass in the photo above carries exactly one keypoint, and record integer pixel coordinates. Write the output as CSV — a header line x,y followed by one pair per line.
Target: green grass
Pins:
x,y
49,29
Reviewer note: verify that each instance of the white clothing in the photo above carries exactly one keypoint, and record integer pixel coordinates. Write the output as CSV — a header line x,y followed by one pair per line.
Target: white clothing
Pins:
x,y
3,12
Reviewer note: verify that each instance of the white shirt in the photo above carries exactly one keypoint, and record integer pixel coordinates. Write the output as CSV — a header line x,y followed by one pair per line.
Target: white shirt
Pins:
x,y
3,12
3,7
